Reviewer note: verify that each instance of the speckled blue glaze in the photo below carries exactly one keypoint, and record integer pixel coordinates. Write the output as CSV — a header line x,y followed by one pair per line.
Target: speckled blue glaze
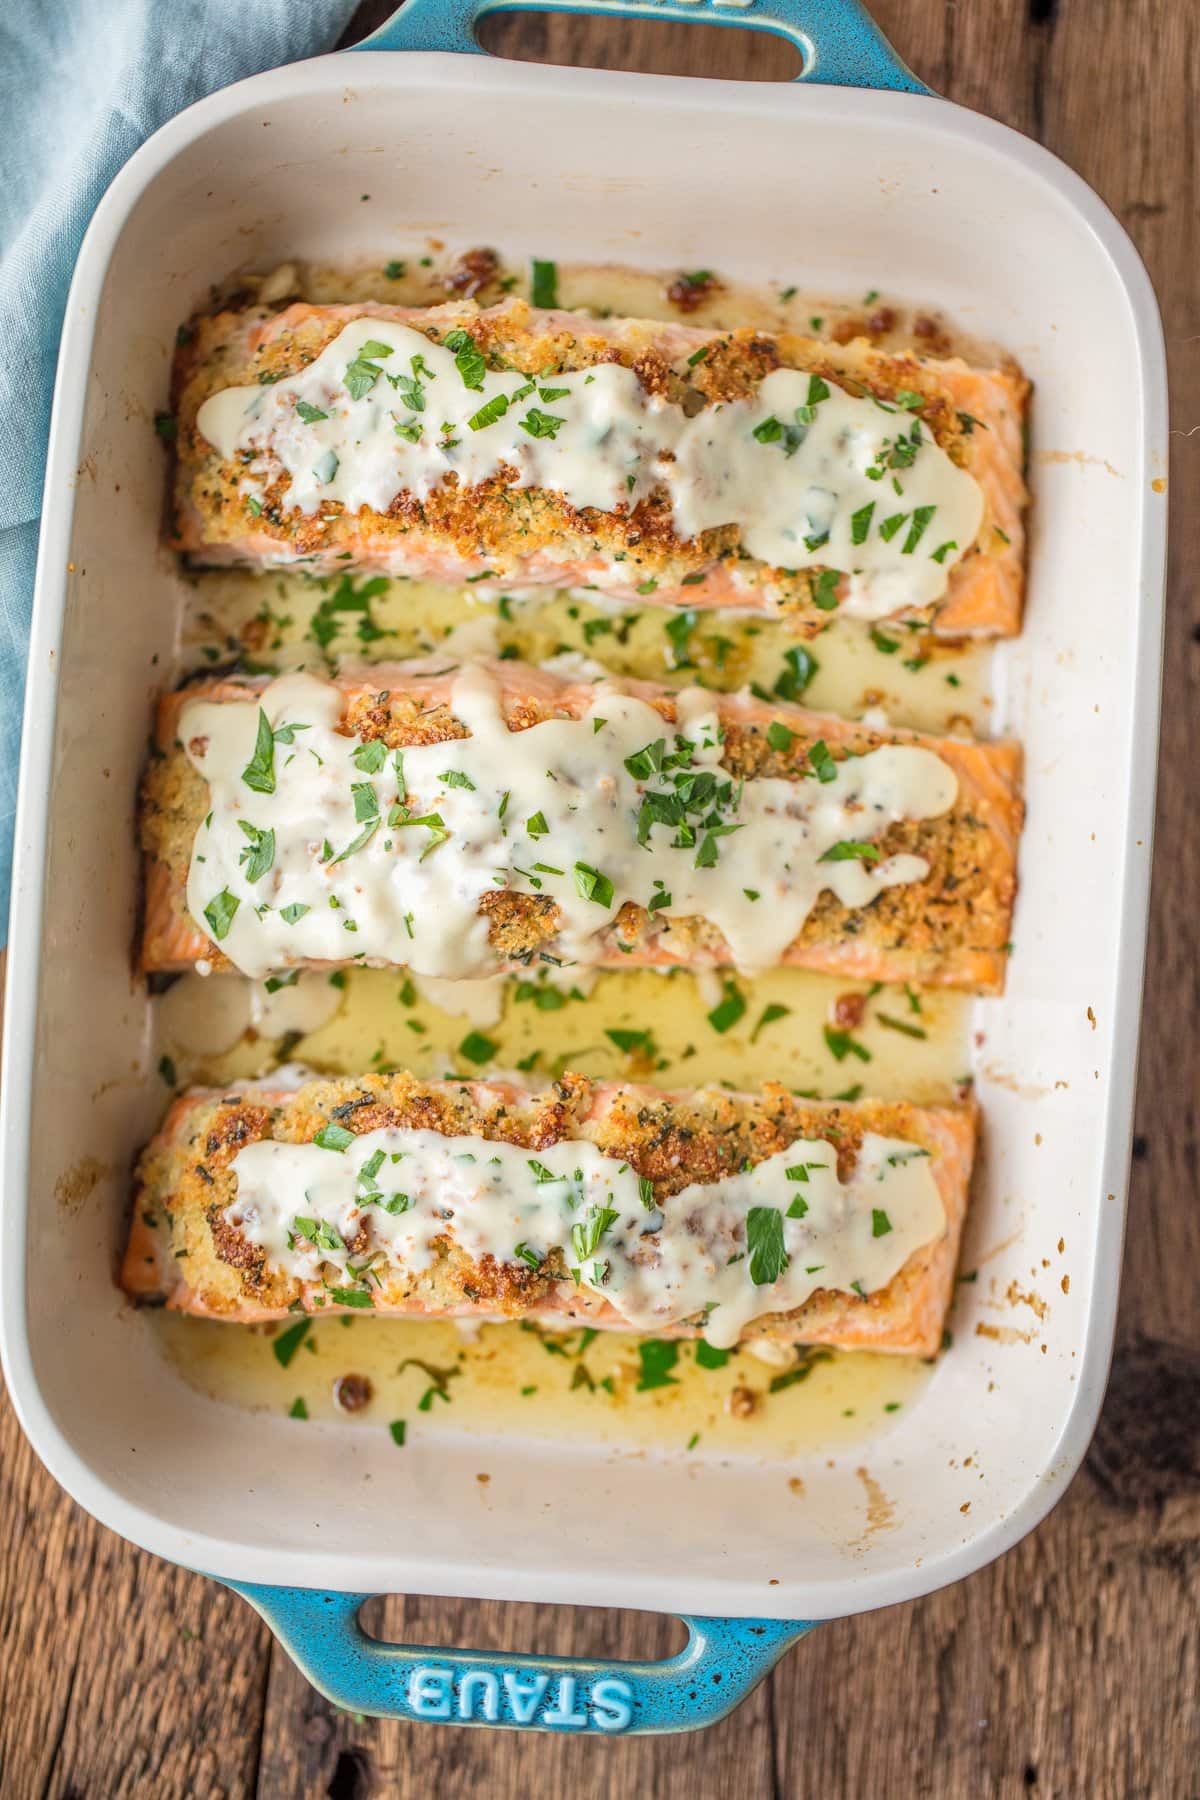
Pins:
x,y
840,44
722,1661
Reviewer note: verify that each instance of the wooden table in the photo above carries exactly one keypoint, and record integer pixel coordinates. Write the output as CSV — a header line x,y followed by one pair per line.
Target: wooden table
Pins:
x,y
1071,1667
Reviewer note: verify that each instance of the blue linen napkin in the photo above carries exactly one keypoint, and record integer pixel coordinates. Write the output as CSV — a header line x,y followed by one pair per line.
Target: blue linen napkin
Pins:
x,y
82,84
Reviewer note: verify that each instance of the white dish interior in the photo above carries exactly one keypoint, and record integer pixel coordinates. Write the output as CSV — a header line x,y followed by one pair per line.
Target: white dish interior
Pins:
x,y
913,195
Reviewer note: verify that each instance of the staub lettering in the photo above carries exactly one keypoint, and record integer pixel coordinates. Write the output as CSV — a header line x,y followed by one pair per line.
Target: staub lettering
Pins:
x,y
545,1702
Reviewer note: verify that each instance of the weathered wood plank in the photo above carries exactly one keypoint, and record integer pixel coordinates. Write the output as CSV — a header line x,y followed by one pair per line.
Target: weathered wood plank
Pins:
x,y
1070,1668
120,1674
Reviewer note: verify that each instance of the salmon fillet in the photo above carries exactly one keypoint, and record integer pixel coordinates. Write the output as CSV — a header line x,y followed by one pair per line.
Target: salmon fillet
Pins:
x,y
950,928
535,537
183,1251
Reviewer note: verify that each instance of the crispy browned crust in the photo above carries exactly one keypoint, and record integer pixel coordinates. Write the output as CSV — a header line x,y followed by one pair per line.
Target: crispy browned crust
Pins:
x,y
182,1250
952,928
494,527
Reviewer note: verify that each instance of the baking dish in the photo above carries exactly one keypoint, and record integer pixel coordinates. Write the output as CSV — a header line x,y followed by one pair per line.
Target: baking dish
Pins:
x,y
940,205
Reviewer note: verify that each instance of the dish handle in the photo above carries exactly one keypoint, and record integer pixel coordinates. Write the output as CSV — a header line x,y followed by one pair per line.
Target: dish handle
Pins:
x,y
840,43
722,1661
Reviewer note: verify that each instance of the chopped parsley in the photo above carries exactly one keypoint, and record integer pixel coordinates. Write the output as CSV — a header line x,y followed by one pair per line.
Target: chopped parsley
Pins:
x,y
764,1242
799,669
541,424
543,996
489,413
920,519
658,1357
259,772
366,801
346,598
824,589
543,282
317,1232
409,386
370,757
860,523
821,762
220,913
334,1137
648,761
433,823
850,850
468,358
371,1167
841,1045
804,1367
769,1015
366,834
730,1010
477,1048
679,630
259,852
586,1234
362,374
288,1342
901,1025
592,885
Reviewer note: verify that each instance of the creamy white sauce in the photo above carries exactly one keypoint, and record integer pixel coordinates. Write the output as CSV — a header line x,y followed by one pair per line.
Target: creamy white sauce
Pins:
x,y
479,1002
203,1016
712,1251
300,1002
814,477
333,864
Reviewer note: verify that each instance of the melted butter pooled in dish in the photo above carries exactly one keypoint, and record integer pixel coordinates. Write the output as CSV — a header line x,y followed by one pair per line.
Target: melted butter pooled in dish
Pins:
x,y
322,847
725,1252
813,476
